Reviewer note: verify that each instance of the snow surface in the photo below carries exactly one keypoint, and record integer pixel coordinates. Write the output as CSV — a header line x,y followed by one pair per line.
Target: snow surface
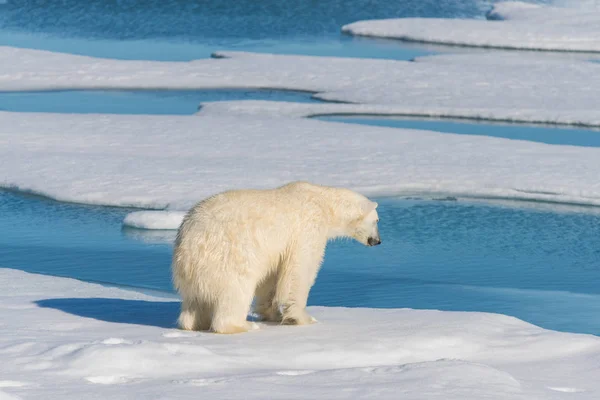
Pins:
x,y
512,25
65,339
171,162
491,86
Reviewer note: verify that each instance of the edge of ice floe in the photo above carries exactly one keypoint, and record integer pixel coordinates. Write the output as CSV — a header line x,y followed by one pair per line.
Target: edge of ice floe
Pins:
x,y
503,12
585,118
510,10
351,30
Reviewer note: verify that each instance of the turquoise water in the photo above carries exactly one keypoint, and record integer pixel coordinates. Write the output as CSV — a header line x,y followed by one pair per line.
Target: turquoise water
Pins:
x,y
181,50
535,133
540,263
134,101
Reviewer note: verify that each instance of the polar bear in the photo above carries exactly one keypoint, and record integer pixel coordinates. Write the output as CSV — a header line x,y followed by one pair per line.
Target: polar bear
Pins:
x,y
265,244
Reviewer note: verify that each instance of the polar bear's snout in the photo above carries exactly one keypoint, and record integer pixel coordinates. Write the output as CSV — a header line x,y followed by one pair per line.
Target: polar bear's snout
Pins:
x,y
370,228
373,241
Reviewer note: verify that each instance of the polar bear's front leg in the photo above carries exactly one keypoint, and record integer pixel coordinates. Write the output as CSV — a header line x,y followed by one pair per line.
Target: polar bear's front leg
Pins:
x,y
296,277
195,315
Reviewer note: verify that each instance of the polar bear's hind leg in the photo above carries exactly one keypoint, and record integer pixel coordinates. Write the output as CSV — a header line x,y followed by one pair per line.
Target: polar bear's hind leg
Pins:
x,y
231,310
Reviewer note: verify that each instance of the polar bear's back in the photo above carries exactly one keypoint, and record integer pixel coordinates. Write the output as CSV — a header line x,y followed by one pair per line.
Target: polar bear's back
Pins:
x,y
243,210
268,209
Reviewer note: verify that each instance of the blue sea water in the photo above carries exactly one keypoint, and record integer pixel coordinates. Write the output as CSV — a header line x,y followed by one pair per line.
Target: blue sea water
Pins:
x,y
184,29
184,50
537,262
535,133
205,21
173,102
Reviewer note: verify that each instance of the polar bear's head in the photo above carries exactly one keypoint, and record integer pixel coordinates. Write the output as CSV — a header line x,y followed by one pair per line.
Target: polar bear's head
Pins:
x,y
358,219
350,214
365,228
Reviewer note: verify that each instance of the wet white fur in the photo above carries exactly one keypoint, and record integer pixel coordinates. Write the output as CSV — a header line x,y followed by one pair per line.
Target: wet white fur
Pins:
x,y
270,244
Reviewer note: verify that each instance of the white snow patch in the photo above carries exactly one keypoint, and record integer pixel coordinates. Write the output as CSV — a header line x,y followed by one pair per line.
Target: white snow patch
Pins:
x,y
516,25
9,384
115,341
495,86
517,10
177,335
581,4
108,380
294,372
566,389
154,219
6,396
352,353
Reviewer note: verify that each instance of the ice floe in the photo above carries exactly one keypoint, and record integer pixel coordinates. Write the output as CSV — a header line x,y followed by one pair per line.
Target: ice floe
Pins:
x,y
510,25
63,338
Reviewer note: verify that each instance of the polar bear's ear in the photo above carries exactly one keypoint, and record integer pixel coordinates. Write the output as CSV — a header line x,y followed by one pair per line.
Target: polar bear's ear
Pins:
x,y
368,206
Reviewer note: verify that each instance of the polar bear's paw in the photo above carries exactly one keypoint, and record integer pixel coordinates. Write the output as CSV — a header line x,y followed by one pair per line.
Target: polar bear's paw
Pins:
x,y
253,326
231,329
270,315
298,319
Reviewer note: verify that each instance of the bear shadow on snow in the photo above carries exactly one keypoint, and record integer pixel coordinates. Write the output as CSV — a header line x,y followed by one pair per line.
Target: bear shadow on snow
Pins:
x,y
162,314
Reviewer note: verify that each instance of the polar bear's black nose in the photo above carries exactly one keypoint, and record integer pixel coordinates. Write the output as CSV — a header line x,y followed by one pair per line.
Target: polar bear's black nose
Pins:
x,y
373,241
